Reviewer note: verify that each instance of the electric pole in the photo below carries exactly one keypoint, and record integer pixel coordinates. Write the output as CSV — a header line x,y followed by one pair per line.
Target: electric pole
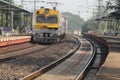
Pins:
x,y
34,5
79,13
22,3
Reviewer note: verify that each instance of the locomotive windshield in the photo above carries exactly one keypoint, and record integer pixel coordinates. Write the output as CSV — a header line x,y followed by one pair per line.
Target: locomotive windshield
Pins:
x,y
44,19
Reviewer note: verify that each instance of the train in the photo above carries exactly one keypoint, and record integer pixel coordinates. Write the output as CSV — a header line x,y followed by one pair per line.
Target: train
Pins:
x,y
49,26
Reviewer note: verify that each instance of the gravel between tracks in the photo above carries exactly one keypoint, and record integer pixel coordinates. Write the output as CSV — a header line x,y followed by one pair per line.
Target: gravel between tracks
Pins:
x,y
8,49
22,66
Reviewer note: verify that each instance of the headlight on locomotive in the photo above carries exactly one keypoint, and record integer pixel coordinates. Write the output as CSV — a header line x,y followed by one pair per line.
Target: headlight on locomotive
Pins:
x,y
46,11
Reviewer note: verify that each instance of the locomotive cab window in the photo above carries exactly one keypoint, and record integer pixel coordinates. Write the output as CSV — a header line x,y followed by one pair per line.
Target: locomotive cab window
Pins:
x,y
44,19
40,18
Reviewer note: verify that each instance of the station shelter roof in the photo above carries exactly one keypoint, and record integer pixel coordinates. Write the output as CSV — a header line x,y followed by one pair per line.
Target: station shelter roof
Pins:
x,y
6,6
111,16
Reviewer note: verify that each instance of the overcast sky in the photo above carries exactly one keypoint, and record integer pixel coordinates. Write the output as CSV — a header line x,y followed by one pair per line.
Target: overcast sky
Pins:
x,y
74,6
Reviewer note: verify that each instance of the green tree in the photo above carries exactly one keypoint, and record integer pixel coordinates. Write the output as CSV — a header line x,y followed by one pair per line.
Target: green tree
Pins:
x,y
118,4
91,24
85,28
74,21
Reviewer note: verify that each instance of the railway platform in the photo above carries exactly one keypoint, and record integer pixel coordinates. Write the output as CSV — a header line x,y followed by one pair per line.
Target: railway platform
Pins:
x,y
111,68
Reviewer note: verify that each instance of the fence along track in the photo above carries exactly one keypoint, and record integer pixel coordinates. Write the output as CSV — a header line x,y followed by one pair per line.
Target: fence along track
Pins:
x,y
86,50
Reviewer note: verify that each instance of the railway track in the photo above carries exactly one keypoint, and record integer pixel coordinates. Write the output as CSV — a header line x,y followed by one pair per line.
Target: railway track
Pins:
x,y
17,47
101,52
70,67
33,58
69,60
21,52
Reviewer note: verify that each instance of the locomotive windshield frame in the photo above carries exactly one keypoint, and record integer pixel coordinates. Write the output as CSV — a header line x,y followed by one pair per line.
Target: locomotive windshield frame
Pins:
x,y
46,19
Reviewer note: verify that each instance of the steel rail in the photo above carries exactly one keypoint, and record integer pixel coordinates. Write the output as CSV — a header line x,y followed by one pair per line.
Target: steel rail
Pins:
x,y
75,67
52,65
81,75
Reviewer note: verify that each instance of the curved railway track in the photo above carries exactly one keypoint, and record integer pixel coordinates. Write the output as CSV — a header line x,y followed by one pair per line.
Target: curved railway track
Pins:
x,y
72,59
70,67
33,59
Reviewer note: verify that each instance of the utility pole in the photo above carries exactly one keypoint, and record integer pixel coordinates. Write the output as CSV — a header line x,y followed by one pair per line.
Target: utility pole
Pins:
x,y
79,13
93,12
99,8
33,1
54,4
34,5
22,3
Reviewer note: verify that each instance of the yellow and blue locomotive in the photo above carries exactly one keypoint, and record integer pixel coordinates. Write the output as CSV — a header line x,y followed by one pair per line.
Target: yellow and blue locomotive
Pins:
x,y
49,26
